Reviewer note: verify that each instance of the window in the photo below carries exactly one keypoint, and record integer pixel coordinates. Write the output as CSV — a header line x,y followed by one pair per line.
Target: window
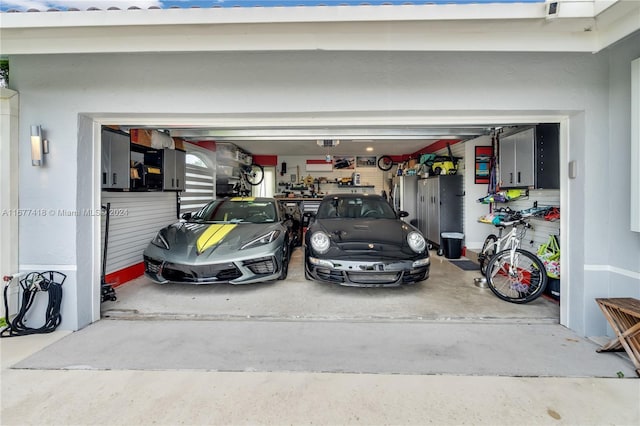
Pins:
x,y
267,187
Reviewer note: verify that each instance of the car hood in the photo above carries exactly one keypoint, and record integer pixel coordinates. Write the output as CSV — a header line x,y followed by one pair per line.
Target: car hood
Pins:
x,y
193,239
385,231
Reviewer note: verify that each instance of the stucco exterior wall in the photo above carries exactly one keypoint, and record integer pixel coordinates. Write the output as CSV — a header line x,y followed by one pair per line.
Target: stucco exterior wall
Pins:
x,y
56,90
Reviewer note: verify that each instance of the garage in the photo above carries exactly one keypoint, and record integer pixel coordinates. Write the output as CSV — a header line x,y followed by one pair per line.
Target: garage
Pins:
x,y
392,81
300,167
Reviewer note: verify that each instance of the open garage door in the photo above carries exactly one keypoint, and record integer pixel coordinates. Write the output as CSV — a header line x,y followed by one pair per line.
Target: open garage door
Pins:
x,y
448,293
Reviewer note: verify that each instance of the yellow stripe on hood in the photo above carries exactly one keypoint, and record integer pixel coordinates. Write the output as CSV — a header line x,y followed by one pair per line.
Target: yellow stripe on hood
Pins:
x,y
213,235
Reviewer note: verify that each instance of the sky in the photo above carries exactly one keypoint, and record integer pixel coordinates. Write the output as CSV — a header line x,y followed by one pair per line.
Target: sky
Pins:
x,y
24,5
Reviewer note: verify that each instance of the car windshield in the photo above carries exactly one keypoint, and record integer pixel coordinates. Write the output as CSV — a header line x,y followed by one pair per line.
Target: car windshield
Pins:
x,y
355,208
237,211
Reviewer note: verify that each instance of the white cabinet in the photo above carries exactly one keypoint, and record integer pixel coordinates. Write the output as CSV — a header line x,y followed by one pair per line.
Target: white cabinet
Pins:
x,y
439,206
116,158
531,158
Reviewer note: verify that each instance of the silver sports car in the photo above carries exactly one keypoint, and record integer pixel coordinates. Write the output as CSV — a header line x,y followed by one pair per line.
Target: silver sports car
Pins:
x,y
233,240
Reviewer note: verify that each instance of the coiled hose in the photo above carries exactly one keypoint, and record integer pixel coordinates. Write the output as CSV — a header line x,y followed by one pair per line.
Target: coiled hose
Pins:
x,y
48,281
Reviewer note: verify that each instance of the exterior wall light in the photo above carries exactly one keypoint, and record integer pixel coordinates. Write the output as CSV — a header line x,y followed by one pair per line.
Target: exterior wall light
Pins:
x,y
39,147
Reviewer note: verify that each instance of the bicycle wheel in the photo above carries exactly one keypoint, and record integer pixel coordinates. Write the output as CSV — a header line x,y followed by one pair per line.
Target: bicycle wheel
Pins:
x,y
256,175
487,252
518,280
385,163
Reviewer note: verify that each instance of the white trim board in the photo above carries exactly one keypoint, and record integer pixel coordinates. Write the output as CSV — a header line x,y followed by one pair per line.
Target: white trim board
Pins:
x,y
613,269
40,268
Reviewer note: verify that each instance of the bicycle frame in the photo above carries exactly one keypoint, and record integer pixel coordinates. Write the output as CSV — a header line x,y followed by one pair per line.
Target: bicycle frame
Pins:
x,y
511,239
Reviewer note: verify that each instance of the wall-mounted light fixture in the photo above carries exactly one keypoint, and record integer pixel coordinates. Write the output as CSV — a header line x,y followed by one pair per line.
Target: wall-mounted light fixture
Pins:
x,y
39,146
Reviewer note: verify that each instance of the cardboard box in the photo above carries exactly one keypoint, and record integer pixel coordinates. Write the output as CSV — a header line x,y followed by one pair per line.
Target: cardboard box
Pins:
x,y
141,137
179,143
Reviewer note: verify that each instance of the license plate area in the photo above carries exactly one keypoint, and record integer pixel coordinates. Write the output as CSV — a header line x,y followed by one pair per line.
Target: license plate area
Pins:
x,y
376,267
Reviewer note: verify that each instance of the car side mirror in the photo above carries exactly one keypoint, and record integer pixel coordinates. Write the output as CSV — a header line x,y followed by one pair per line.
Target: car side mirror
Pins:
x,y
186,216
402,213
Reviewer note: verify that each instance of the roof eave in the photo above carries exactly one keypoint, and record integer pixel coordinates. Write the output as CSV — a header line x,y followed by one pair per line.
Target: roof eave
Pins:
x,y
266,15
461,27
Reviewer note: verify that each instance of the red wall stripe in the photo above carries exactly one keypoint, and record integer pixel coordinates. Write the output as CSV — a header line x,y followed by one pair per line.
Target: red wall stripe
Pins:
x,y
436,146
123,275
210,145
266,160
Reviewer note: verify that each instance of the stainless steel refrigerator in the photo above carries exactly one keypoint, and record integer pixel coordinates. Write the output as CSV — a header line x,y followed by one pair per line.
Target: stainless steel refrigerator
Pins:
x,y
404,196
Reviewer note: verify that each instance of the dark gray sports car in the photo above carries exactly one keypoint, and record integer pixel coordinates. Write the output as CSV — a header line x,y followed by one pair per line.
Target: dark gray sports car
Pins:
x,y
358,240
233,240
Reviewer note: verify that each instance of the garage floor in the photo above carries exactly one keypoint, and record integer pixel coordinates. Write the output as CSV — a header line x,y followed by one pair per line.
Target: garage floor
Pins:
x,y
448,295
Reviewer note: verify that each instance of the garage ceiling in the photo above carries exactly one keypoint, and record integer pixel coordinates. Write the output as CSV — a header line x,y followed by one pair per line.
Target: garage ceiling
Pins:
x,y
351,140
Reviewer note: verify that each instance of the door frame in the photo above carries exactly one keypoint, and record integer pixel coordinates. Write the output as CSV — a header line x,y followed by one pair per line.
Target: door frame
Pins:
x,y
89,148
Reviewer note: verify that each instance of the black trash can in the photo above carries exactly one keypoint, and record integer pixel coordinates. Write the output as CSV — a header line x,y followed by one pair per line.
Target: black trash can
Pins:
x,y
452,244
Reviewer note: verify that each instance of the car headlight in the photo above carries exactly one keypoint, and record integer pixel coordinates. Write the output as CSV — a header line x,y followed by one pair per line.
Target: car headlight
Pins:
x,y
262,240
160,241
416,242
320,242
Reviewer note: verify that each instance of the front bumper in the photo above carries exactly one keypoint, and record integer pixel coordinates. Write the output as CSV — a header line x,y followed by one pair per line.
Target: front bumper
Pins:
x,y
245,271
391,273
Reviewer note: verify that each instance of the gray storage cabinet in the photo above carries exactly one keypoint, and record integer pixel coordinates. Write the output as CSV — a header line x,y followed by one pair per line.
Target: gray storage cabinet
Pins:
x,y
116,157
440,207
531,158
173,169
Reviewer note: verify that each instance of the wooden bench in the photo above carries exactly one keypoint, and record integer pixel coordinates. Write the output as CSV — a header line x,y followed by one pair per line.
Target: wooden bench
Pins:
x,y
623,314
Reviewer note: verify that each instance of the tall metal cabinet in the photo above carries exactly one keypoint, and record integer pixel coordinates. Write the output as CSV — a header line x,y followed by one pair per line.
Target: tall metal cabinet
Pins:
x,y
440,204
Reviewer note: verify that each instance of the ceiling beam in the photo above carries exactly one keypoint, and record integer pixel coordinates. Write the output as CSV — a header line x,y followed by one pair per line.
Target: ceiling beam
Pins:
x,y
353,134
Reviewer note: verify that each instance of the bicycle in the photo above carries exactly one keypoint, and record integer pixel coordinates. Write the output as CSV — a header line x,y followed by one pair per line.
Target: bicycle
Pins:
x,y
513,274
493,244
252,175
385,163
